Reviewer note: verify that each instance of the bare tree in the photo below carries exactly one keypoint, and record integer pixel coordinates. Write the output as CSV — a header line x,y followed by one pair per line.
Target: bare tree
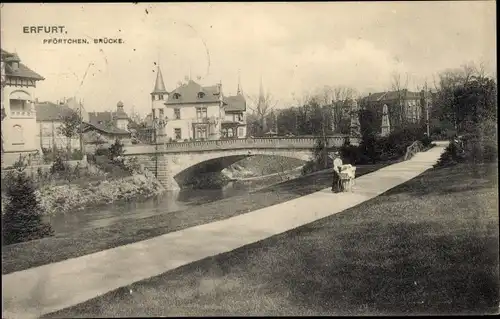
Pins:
x,y
400,86
262,105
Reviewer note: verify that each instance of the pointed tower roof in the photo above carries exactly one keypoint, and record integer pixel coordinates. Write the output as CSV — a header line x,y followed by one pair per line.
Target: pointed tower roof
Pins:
x,y
239,91
261,92
159,84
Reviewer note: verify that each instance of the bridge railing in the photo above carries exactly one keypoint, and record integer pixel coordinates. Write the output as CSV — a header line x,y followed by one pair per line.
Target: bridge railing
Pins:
x,y
233,144
413,149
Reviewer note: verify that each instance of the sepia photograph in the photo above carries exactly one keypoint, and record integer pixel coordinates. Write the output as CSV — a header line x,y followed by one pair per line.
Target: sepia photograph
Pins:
x,y
249,159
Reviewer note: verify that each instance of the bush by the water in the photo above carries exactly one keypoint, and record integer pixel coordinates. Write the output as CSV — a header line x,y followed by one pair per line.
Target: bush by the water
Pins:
x,y
22,218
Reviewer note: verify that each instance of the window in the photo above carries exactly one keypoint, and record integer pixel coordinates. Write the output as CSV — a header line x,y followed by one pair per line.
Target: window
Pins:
x,y
224,132
160,97
176,96
201,95
201,112
230,132
177,114
17,136
241,132
177,133
238,117
201,132
161,113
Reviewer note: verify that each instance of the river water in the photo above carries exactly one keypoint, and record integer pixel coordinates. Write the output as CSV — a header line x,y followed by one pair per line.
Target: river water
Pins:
x,y
165,203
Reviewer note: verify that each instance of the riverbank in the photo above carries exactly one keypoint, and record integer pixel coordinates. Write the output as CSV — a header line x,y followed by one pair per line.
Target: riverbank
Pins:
x,y
261,165
82,194
64,246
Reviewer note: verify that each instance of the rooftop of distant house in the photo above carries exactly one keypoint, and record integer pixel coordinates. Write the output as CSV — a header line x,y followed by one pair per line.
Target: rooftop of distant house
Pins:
x,y
106,127
48,111
192,92
392,95
21,70
236,103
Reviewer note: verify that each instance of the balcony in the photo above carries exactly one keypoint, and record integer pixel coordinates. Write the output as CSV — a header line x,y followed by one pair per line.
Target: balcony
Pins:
x,y
20,114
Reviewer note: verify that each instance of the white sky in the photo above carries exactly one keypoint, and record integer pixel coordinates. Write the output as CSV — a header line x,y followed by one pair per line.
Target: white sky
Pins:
x,y
296,47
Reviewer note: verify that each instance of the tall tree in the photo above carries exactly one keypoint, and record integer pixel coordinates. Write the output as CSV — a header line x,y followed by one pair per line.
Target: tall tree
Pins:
x,y
71,123
262,105
400,86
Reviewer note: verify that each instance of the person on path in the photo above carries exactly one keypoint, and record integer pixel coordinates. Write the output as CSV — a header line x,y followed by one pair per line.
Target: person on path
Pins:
x,y
336,182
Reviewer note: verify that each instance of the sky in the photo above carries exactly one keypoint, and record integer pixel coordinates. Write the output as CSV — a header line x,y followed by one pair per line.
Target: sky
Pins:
x,y
294,47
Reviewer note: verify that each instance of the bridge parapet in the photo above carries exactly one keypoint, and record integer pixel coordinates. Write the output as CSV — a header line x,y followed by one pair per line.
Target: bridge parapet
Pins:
x,y
234,144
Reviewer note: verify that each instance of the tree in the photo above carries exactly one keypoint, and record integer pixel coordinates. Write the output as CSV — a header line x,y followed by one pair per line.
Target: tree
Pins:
x,y
71,122
368,135
400,86
116,150
262,106
465,97
23,217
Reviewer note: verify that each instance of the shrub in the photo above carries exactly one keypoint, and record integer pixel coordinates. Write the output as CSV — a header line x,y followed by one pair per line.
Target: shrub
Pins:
x,y
452,155
426,141
132,164
102,152
23,216
116,150
76,155
350,154
59,166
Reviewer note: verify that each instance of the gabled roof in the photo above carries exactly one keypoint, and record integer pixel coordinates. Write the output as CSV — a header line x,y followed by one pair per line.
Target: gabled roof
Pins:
x,y
97,117
48,111
235,103
106,128
188,93
22,71
391,95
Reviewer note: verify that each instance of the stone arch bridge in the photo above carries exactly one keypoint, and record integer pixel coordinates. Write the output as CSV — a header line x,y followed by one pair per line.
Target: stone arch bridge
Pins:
x,y
174,162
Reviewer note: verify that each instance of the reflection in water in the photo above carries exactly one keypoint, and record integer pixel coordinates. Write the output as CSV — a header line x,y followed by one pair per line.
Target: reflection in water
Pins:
x,y
165,203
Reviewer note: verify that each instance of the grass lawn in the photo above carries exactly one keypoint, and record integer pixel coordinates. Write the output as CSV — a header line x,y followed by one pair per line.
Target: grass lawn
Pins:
x,y
427,246
64,246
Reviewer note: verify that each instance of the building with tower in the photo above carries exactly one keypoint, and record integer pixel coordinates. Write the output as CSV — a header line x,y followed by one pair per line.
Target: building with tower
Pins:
x,y
195,112
19,129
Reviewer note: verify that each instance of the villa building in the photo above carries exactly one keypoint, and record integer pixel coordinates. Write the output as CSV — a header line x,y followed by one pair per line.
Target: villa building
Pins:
x,y
19,128
196,112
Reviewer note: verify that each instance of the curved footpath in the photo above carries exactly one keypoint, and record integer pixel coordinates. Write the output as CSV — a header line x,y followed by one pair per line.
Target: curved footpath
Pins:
x,y
41,290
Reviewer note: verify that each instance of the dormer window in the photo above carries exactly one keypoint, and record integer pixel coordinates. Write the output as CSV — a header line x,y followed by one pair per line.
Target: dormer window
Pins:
x,y
201,95
176,96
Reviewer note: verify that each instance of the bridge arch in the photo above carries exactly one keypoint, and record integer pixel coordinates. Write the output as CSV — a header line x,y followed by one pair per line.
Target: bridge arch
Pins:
x,y
184,167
